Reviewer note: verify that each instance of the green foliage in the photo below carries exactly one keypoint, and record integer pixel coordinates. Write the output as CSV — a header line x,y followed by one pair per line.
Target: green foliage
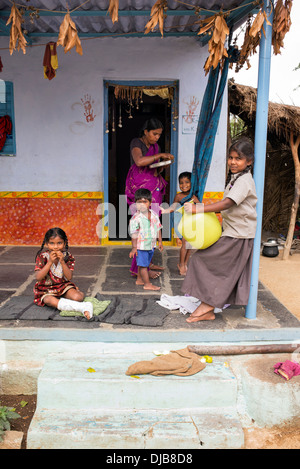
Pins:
x,y
237,126
6,414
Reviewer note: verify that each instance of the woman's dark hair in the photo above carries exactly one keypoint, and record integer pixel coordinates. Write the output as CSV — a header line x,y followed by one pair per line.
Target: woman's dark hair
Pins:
x,y
151,124
245,148
51,233
185,174
143,194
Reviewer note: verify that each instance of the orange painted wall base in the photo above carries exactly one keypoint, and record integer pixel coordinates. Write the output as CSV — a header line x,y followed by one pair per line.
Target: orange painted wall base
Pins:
x,y
26,216
24,221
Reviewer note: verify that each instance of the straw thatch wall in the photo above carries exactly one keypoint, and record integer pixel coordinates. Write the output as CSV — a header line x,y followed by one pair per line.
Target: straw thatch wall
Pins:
x,y
280,172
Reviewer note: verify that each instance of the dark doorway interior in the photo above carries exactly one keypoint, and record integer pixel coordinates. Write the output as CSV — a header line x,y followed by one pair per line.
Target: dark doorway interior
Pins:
x,y
125,123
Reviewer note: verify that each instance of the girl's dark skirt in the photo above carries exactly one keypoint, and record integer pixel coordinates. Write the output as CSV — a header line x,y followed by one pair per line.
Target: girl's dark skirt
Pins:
x,y
221,274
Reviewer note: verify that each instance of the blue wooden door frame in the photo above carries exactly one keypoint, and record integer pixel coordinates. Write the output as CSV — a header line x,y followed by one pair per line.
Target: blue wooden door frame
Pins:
x,y
173,134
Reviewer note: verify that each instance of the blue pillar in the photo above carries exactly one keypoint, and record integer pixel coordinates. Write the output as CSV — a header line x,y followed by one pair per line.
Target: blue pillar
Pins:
x,y
260,144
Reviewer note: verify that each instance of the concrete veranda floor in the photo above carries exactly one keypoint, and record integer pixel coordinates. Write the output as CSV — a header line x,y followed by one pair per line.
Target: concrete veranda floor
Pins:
x,y
105,271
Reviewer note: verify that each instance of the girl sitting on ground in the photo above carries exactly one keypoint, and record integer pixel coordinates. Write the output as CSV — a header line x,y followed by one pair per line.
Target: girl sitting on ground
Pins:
x,y
54,270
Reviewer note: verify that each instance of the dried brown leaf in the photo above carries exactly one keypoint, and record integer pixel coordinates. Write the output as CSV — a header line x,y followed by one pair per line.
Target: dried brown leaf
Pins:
x,y
281,24
68,36
216,45
114,10
157,17
16,33
257,24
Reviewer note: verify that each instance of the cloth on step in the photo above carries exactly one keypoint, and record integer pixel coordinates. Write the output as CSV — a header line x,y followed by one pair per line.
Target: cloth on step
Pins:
x,y
287,369
98,308
177,362
185,304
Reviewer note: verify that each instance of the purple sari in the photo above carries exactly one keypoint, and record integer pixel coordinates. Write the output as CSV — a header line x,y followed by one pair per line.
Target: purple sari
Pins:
x,y
146,178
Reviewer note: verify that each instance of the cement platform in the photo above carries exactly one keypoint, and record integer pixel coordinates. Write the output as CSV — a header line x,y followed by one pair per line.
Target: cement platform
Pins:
x,y
105,271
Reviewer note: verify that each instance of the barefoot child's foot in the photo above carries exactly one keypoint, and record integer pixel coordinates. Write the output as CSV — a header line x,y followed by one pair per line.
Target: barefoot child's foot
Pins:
x,y
87,315
149,286
210,316
154,274
156,267
182,269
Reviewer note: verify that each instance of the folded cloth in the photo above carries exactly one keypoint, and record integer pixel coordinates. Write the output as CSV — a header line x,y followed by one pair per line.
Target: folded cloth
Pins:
x,y
287,369
152,315
177,362
98,307
120,310
134,310
185,304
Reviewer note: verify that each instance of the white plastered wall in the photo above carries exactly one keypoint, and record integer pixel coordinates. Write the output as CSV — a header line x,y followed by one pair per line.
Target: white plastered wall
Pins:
x,y
57,149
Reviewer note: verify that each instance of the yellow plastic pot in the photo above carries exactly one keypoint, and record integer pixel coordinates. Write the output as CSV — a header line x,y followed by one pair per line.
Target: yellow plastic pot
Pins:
x,y
201,230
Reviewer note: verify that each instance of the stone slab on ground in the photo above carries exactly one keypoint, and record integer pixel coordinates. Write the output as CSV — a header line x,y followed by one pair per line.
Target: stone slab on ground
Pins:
x,y
12,440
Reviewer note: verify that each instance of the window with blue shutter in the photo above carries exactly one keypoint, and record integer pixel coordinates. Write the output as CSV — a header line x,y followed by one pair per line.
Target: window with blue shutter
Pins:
x,y
7,109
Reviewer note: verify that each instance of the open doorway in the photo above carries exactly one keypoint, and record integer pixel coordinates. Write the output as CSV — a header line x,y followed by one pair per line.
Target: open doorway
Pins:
x,y
124,122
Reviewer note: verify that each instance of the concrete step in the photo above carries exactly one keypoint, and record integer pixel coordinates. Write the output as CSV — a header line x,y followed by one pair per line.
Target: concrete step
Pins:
x,y
66,383
89,402
210,428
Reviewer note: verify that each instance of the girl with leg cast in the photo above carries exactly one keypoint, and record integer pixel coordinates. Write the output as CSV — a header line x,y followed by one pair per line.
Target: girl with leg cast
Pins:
x,y
54,270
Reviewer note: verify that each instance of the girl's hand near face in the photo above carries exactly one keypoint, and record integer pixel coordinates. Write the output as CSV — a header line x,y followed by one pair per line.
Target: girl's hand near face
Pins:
x,y
60,256
53,256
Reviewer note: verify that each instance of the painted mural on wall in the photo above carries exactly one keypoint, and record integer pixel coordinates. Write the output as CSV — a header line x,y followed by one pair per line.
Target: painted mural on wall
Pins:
x,y
88,103
85,109
191,115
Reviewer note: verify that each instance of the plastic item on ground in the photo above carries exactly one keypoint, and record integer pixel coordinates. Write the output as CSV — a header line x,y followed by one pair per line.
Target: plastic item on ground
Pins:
x,y
287,369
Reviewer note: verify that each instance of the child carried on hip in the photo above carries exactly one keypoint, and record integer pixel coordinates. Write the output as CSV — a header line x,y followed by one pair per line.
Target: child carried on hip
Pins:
x,y
184,180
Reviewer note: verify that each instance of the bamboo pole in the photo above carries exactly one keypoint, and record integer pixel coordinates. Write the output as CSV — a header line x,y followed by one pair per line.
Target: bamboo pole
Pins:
x,y
289,239
242,349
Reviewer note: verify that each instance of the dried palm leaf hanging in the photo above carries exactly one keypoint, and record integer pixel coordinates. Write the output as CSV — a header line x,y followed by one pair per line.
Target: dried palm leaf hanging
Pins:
x,y
281,24
157,16
114,10
258,24
219,31
248,48
68,36
16,34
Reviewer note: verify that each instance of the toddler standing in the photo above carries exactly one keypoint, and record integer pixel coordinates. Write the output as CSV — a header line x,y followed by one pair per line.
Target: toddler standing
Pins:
x,y
145,229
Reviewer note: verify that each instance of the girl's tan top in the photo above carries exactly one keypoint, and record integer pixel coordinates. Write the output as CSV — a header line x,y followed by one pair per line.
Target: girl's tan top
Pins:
x,y
239,221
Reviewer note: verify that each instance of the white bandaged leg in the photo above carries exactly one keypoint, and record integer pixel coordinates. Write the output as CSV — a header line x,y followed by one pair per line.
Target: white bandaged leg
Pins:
x,y
80,306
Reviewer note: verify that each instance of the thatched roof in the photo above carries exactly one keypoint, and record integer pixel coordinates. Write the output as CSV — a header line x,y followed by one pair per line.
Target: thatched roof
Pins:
x,y
282,118
280,172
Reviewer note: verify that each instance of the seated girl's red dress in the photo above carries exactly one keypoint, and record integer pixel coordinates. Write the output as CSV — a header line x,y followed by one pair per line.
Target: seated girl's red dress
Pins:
x,y
54,283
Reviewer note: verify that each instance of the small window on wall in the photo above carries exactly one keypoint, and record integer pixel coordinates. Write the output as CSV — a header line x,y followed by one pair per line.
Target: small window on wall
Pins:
x,y
7,119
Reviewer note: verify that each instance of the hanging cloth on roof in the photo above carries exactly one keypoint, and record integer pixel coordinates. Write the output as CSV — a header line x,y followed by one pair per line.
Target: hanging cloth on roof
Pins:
x,y
50,61
5,129
206,130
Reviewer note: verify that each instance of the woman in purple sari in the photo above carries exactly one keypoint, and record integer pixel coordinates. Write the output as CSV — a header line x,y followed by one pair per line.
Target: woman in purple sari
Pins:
x,y
144,152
